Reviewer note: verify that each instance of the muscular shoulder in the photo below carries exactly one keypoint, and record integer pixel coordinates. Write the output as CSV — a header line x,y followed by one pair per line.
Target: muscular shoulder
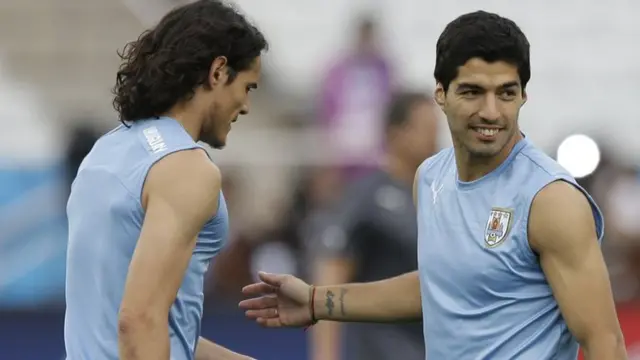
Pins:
x,y
561,215
187,177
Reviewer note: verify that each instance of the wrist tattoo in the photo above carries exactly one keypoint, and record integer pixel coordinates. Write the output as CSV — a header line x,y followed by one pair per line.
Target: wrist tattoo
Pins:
x,y
343,292
329,303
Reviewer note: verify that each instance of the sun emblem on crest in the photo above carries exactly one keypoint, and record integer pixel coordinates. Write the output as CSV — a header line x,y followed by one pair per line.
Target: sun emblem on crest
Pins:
x,y
498,226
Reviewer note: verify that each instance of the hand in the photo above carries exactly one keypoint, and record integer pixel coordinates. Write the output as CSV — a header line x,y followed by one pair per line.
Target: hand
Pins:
x,y
278,301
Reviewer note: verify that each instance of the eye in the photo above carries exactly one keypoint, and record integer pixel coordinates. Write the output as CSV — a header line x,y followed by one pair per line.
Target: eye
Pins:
x,y
508,95
469,93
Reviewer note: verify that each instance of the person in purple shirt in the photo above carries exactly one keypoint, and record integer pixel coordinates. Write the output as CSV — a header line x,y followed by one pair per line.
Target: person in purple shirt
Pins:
x,y
354,95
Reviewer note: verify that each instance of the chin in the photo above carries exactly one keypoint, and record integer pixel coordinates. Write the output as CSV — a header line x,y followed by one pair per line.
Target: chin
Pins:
x,y
214,143
482,150
218,145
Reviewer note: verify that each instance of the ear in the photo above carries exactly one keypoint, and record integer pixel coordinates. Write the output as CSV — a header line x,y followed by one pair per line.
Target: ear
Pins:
x,y
218,73
524,97
440,95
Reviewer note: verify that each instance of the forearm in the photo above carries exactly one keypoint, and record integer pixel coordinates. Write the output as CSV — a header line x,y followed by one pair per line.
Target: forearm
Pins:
x,y
391,300
326,341
140,340
208,350
604,347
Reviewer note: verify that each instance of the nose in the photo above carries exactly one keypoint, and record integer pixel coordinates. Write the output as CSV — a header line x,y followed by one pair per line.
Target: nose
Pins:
x,y
245,109
489,110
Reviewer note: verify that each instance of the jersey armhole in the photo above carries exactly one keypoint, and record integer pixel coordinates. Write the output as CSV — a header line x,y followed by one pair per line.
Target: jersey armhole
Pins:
x,y
597,214
420,177
149,164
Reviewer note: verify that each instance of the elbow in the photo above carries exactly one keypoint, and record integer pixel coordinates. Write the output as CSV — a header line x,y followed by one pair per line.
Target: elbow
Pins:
x,y
612,344
132,321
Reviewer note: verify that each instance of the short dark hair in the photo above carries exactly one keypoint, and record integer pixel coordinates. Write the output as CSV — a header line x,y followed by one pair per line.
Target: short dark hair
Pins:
x,y
167,63
484,35
401,105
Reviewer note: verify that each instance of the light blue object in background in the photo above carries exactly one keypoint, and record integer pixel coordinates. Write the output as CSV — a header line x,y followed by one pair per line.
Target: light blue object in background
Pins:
x,y
33,236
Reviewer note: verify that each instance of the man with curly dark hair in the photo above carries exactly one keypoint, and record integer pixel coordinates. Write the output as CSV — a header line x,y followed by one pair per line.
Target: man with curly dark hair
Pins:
x,y
146,213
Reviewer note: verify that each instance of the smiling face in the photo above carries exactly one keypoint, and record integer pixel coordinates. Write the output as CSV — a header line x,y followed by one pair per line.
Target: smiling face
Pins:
x,y
482,105
227,100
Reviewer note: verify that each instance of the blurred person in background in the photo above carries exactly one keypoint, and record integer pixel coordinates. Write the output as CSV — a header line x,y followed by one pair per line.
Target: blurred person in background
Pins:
x,y
276,249
622,203
146,212
354,95
230,269
509,259
82,139
371,235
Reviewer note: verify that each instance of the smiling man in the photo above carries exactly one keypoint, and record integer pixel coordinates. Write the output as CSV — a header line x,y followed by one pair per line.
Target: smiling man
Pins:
x,y
509,263
146,213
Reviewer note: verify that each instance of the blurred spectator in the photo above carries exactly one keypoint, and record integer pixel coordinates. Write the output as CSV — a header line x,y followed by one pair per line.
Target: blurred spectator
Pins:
x,y
230,269
80,143
623,211
354,94
372,235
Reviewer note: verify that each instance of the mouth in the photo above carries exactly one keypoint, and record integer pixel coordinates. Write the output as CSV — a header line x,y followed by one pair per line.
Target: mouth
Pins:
x,y
486,133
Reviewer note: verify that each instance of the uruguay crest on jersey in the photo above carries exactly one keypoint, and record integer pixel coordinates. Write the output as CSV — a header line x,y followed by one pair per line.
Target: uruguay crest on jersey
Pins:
x,y
498,226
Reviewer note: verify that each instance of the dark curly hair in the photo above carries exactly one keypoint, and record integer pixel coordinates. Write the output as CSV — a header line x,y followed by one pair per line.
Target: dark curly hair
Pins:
x,y
167,63
484,35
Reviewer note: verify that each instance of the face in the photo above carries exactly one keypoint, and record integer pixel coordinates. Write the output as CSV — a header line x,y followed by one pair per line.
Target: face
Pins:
x,y
417,139
482,106
226,101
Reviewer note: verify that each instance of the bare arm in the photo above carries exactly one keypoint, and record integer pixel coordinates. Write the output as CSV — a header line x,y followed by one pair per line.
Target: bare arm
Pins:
x,y
180,193
284,300
390,300
326,336
562,231
207,350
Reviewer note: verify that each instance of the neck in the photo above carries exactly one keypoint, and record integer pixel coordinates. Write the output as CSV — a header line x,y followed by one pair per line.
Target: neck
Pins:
x,y
471,167
187,117
399,169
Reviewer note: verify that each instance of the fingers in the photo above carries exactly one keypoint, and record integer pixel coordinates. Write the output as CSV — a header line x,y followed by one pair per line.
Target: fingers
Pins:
x,y
274,280
270,283
270,323
263,313
258,289
263,302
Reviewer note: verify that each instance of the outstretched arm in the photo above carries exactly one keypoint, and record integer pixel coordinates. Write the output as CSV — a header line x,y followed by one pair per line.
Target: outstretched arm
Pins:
x,y
390,300
284,300
562,231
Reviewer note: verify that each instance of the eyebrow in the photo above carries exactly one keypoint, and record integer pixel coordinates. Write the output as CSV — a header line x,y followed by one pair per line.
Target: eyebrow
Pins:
x,y
471,86
509,85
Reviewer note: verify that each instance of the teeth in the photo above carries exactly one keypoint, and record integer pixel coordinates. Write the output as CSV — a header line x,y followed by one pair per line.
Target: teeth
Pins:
x,y
487,132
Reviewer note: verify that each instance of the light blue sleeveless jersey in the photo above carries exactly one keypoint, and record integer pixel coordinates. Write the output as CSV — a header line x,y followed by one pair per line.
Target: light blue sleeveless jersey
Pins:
x,y
105,217
484,295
